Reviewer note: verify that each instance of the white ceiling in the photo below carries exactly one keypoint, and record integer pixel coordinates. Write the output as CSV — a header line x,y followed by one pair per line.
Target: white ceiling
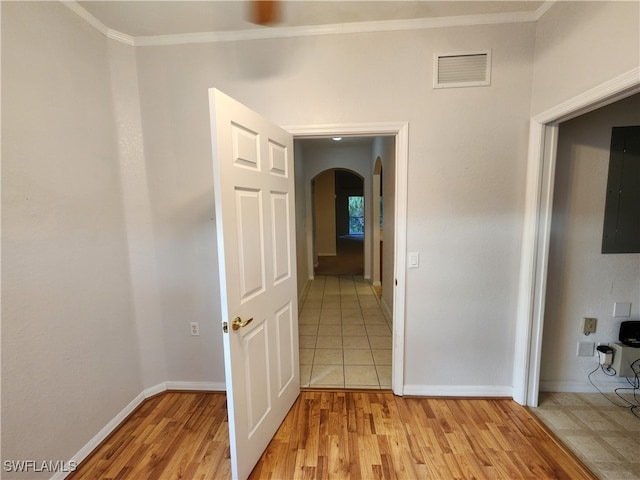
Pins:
x,y
152,18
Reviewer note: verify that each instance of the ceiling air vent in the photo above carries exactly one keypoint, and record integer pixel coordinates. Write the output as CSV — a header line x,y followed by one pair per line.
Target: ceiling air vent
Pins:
x,y
466,69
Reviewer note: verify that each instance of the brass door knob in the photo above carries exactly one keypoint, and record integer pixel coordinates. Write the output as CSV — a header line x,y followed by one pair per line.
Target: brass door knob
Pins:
x,y
238,322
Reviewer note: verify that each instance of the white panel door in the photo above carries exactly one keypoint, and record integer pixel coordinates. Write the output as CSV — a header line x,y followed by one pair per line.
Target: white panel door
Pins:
x,y
254,195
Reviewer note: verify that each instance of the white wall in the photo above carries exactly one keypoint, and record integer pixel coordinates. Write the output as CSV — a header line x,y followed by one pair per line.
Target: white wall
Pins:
x,y
137,213
580,45
70,351
582,282
466,172
324,204
177,143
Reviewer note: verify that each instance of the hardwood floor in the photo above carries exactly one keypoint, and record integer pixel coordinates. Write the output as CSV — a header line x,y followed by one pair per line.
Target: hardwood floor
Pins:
x,y
174,435
341,435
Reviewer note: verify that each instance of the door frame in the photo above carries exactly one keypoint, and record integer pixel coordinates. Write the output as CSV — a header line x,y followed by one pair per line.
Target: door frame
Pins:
x,y
541,163
399,130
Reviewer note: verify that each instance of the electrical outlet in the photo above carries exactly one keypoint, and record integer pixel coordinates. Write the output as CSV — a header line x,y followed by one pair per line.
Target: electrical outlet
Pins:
x,y
195,328
589,325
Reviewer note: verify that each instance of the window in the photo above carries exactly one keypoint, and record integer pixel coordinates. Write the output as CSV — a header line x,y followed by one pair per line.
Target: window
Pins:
x,y
356,215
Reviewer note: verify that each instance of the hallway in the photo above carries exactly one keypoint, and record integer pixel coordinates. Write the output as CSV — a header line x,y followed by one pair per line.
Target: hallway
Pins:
x,y
345,337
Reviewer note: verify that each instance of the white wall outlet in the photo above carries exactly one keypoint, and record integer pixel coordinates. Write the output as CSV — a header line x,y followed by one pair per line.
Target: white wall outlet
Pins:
x,y
589,325
195,328
622,309
586,349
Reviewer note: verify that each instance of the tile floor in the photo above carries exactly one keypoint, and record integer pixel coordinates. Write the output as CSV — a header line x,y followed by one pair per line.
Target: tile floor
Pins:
x,y
345,337
605,437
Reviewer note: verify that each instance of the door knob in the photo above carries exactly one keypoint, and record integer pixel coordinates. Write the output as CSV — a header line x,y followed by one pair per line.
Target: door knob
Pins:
x,y
238,322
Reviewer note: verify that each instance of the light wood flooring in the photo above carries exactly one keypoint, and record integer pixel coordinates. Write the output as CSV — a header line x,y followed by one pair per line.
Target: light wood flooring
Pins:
x,y
341,435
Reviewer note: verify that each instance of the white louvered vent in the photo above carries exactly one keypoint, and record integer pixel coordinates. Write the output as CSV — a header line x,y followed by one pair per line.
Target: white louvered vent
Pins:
x,y
466,69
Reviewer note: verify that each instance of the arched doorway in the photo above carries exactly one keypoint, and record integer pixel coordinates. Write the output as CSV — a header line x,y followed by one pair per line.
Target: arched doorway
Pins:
x,y
339,222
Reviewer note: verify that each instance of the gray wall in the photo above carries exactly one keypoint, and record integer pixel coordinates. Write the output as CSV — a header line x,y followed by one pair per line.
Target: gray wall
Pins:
x,y
70,351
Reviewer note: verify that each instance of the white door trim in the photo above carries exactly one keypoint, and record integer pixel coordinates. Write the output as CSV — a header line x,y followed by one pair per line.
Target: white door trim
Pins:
x,y
537,220
401,131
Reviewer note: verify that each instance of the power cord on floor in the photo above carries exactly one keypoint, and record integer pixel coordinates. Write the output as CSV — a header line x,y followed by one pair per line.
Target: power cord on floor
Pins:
x,y
635,386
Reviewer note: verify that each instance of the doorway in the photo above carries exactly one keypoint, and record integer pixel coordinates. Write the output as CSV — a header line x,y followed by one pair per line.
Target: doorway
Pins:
x,y
338,222
537,226
396,231
345,335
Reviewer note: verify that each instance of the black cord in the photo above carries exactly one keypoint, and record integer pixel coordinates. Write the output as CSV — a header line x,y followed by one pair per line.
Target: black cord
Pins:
x,y
600,391
635,386
635,367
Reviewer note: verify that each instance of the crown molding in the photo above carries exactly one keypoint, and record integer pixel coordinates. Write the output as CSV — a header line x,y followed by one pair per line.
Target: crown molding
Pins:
x,y
544,8
121,37
97,24
264,33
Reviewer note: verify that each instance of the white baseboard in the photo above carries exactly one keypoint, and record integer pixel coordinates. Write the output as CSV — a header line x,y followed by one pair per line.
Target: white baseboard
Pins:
x,y
458,390
385,308
197,386
129,409
104,433
304,291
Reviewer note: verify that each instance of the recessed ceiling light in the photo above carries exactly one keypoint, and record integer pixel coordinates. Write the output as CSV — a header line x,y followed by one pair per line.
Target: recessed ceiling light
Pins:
x,y
336,139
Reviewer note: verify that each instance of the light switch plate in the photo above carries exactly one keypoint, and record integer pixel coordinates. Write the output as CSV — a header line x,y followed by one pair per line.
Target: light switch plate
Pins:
x,y
622,309
195,328
414,260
